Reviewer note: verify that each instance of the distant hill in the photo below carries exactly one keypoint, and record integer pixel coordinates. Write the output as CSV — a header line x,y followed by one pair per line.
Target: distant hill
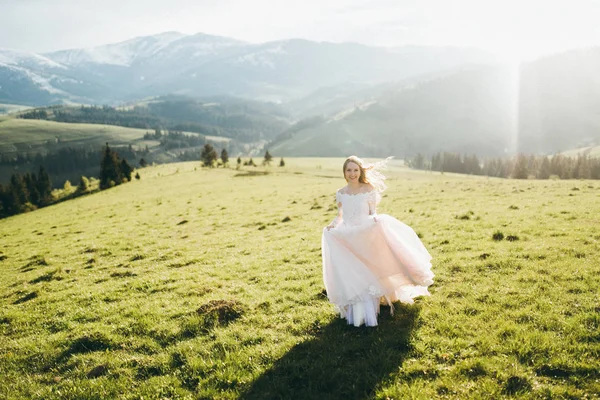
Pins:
x,y
546,106
12,108
444,113
560,101
184,125
240,119
591,151
340,98
22,135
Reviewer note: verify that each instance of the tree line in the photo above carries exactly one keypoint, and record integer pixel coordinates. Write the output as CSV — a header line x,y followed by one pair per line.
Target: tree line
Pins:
x,y
247,122
175,139
114,170
25,193
31,191
209,156
67,159
521,166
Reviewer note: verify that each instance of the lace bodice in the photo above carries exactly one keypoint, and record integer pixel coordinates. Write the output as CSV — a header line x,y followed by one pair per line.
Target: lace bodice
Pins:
x,y
356,208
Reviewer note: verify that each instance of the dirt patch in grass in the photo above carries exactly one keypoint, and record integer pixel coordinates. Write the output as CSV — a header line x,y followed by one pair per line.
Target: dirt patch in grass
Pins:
x,y
221,312
122,274
252,173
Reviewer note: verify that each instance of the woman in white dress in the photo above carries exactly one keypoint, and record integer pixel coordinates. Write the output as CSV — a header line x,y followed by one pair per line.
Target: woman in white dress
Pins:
x,y
370,258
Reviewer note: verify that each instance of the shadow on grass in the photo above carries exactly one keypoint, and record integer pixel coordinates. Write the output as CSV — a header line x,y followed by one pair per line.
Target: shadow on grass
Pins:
x,y
341,361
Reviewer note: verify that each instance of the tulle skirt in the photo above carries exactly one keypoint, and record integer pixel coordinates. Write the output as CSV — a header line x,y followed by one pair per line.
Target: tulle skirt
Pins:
x,y
376,260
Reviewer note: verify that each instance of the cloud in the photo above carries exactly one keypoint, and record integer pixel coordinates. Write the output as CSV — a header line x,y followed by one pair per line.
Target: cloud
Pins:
x,y
534,25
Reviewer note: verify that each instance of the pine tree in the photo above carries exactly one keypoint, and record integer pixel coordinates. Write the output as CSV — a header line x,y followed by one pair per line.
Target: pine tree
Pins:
x,y
268,158
418,162
44,187
224,157
239,161
208,155
584,170
544,171
281,162
126,170
110,170
18,186
520,169
436,163
472,165
12,205
2,195
84,185
31,184
143,163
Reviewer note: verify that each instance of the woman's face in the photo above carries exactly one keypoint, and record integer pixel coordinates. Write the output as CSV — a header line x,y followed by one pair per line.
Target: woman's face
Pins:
x,y
352,172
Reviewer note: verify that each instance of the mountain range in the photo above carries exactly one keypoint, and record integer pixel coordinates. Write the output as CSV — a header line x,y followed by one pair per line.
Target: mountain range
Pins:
x,y
545,106
206,65
344,98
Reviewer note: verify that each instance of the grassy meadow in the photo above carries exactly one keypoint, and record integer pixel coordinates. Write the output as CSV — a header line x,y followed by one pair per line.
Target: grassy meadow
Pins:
x,y
28,135
201,284
12,108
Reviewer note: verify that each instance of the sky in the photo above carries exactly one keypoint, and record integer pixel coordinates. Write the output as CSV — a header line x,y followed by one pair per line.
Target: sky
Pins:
x,y
512,29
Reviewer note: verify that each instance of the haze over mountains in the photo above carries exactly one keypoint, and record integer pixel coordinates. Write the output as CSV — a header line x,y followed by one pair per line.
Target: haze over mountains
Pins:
x,y
370,100
543,107
204,65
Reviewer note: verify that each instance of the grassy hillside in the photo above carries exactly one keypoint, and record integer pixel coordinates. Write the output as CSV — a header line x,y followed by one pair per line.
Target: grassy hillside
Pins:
x,y
543,107
195,283
11,108
18,136
28,135
468,111
244,120
592,151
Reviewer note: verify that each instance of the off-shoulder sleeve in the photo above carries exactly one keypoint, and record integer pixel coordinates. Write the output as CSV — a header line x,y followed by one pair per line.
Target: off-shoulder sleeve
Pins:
x,y
374,197
338,219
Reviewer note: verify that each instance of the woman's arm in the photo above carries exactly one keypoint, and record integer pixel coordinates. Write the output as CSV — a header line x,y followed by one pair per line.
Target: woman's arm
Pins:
x,y
373,200
338,219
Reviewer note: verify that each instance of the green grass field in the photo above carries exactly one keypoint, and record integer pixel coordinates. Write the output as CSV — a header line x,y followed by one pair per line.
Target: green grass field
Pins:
x,y
27,134
189,284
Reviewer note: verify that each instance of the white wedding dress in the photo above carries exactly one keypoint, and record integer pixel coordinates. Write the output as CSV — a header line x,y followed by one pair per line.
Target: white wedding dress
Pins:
x,y
368,258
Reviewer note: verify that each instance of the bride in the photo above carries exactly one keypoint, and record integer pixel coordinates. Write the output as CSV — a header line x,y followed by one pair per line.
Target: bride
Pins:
x,y
370,258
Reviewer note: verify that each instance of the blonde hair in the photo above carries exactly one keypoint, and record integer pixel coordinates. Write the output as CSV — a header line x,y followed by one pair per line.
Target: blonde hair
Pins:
x,y
369,173
363,171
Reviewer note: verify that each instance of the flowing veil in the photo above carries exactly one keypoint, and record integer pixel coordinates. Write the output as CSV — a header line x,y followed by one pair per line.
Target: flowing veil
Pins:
x,y
375,176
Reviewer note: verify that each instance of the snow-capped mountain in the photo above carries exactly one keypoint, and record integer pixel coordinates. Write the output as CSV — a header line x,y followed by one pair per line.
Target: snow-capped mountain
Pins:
x,y
28,60
201,64
33,79
168,45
